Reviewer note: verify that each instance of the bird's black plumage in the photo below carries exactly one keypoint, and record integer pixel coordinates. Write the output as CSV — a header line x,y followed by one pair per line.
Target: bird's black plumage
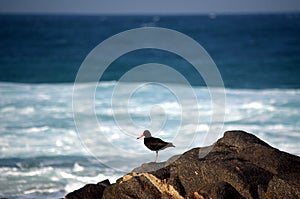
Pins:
x,y
156,144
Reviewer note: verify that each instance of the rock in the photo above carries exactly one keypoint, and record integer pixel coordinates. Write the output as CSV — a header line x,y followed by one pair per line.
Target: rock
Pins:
x,y
142,186
250,148
239,165
148,167
219,190
89,191
287,185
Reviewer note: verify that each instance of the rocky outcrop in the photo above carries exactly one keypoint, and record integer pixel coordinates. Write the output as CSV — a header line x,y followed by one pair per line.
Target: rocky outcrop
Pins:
x,y
89,191
239,165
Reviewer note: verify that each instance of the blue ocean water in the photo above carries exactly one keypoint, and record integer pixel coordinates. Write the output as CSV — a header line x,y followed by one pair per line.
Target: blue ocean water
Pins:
x,y
42,154
251,51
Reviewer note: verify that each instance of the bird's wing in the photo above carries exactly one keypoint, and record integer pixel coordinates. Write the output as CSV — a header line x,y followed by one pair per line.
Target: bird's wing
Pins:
x,y
155,144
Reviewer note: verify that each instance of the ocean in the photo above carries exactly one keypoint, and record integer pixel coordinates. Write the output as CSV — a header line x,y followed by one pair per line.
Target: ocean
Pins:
x,y
49,147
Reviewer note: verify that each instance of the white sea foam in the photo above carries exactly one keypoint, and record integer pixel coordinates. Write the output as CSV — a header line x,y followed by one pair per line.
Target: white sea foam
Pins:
x,y
53,131
35,129
37,121
76,182
29,173
77,167
27,110
39,190
8,109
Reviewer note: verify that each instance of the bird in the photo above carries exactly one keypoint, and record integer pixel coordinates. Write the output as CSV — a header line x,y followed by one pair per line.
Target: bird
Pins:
x,y
154,144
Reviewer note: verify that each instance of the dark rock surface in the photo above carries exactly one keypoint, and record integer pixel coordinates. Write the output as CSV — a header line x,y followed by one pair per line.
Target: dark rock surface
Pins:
x,y
239,165
89,191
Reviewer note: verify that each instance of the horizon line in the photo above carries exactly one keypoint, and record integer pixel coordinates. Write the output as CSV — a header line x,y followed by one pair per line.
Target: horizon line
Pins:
x,y
212,14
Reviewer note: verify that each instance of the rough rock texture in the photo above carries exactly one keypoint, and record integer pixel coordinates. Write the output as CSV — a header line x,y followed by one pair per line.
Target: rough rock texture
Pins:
x,y
89,191
239,165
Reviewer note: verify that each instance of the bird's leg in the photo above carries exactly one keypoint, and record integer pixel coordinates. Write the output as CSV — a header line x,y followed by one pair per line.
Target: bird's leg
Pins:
x,y
156,155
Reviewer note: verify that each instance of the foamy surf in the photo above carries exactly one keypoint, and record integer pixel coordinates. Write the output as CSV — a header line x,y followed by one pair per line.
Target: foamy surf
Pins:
x,y
42,153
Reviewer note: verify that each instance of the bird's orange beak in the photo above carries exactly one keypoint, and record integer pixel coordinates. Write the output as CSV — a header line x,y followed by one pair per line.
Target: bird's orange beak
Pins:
x,y
140,136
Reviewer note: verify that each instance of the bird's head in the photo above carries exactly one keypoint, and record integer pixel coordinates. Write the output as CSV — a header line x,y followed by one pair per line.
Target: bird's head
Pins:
x,y
146,133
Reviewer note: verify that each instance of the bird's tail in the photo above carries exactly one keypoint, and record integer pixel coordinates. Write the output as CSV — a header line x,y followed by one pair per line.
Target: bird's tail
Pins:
x,y
170,145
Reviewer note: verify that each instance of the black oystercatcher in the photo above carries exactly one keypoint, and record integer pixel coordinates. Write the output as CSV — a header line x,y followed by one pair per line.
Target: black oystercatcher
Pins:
x,y
154,144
